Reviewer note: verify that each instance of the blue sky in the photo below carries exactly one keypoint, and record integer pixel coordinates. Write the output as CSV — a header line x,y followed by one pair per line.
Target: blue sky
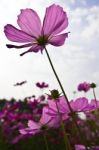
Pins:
x,y
76,61
83,3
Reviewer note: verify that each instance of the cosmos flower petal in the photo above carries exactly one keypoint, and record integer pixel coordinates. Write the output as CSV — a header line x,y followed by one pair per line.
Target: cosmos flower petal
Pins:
x,y
29,22
79,147
33,125
16,35
23,131
45,119
26,131
55,20
19,46
94,103
80,104
49,120
58,40
52,106
35,48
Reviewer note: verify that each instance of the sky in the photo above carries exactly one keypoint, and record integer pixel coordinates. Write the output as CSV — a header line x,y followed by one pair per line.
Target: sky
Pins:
x,y
75,62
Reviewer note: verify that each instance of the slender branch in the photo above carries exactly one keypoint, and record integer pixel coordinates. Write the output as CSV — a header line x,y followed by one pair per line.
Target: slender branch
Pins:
x,y
66,141
58,80
66,98
95,97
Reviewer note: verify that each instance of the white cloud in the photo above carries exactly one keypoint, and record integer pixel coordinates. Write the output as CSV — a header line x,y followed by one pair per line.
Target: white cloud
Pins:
x,y
92,28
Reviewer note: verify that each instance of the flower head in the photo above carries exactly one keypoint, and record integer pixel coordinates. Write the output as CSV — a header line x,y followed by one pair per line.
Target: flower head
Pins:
x,y
20,83
81,105
36,127
53,111
84,86
42,85
35,35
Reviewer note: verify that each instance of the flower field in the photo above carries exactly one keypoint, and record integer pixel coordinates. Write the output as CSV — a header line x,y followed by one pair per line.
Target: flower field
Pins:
x,y
50,121
34,122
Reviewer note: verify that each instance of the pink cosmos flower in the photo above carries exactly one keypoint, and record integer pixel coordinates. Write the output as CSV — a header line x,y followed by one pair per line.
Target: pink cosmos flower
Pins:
x,y
78,105
41,85
93,102
55,110
81,105
36,127
84,86
35,35
33,128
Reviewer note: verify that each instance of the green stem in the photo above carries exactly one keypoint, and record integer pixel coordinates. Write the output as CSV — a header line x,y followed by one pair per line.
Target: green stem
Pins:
x,y
58,80
95,97
74,120
66,141
81,136
46,143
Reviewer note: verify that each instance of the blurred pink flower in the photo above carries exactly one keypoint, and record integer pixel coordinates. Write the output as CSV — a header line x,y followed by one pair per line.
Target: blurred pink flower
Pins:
x,y
42,85
95,104
81,105
35,35
33,128
78,105
82,147
84,87
36,127
55,112
79,147
20,83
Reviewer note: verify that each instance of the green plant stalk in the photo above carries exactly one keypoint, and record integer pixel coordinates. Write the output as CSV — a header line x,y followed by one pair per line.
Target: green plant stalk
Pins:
x,y
46,143
95,97
73,118
66,140
58,80
97,114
